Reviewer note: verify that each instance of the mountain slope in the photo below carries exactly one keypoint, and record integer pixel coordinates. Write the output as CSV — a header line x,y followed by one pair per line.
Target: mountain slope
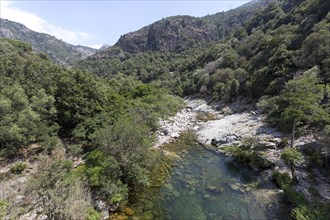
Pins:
x,y
58,50
181,32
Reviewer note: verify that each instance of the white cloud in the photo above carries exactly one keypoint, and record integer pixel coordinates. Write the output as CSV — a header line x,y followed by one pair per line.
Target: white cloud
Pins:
x,y
96,46
36,23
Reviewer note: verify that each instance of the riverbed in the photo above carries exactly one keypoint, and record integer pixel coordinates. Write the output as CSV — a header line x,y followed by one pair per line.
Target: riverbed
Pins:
x,y
208,185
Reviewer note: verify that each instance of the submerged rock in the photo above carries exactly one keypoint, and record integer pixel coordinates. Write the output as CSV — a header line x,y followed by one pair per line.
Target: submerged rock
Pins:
x,y
128,211
188,207
171,154
235,187
121,217
147,215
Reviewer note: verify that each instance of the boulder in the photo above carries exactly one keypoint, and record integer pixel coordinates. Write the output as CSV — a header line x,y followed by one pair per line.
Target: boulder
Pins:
x,y
214,142
165,132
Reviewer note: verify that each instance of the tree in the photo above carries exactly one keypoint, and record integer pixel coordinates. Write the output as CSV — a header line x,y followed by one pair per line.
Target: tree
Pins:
x,y
299,103
325,75
316,50
291,157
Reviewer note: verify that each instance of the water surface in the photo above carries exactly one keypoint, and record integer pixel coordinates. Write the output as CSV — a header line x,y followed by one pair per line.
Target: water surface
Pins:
x,y
206,185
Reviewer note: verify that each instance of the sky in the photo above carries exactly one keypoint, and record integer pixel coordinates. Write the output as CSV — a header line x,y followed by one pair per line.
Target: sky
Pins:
x,y
95,23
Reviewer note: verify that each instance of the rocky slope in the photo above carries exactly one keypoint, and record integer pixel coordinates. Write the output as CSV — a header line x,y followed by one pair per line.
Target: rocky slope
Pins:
x,y
174,34
58,50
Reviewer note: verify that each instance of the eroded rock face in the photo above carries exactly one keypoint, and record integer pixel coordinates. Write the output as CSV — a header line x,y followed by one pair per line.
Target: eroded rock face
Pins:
x,y
170,34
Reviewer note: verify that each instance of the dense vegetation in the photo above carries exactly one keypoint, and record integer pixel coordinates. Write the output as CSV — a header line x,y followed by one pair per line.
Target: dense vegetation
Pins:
x,y
112,121
106,109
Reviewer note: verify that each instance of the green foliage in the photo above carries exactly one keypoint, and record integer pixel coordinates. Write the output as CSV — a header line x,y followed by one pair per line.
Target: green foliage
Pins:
x,y
18,168
20,124
294,197
283,180
111,110
250,141
3,209
105,174
304,212
127,140
112,119
92,214
248,156
299,101
291,155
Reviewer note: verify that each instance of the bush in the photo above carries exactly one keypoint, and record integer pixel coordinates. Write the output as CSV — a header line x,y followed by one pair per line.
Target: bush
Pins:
x,y
104,174
291,156
250,141
294,197
282,180
3,209
248,156
304,212
92,214
18,168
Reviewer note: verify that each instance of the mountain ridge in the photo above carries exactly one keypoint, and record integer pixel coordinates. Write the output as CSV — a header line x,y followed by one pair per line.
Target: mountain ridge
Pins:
x,y
58,50
176,33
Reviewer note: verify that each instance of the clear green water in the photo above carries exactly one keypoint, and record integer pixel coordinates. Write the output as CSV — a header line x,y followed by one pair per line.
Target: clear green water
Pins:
x,y
206,185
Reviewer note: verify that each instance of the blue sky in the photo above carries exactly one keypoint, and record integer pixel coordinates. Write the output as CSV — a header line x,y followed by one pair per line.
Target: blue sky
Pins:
x,y
94,23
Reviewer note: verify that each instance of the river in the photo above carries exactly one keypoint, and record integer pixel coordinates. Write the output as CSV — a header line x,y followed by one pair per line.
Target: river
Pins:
x,y
204,185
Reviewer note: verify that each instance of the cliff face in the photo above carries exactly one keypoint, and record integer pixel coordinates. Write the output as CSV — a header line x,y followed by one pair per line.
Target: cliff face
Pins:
x,y
58,50
171,34
177,33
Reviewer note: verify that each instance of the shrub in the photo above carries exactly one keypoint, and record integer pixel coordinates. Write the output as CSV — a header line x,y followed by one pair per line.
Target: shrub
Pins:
x,y
304,212
294,197
247,156
18,168
3,209
92,214
250,141
238,153
283,180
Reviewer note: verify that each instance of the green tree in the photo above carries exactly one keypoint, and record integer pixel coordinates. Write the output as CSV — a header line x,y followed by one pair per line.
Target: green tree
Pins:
x,y
104,174
291,157
299,103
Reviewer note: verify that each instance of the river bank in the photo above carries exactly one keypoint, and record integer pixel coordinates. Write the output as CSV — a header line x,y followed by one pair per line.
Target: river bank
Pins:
x,y
217,126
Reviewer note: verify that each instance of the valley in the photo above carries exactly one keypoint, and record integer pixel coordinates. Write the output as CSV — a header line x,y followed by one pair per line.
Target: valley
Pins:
x,y
224,116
